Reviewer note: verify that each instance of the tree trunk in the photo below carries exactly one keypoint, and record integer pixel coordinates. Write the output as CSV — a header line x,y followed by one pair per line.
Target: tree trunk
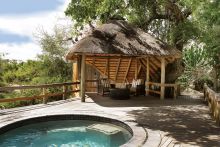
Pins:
x,y
173,71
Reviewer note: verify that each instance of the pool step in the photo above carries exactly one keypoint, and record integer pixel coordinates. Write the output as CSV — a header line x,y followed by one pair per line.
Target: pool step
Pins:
x,y
108,129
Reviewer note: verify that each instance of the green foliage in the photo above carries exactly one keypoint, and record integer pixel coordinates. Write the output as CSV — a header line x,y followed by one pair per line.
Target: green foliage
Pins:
x,y
53,67
84,11
197,64
1,70
20,72
195,57
209,22
50,67
166,21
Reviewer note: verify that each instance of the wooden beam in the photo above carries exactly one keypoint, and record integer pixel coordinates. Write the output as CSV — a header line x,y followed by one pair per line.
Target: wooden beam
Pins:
x,y
136,68
147,76
155,68
108,69
34,97
162,81
101,72
83,78
36,86
93,61
152,64
128,67
139,70
152,69
117,68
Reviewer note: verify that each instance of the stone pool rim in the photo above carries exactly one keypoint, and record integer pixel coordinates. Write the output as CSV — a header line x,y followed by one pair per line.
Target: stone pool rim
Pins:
x,y
138,138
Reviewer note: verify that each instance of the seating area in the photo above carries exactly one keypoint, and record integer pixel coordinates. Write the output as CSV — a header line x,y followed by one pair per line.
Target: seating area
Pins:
x,y
121,90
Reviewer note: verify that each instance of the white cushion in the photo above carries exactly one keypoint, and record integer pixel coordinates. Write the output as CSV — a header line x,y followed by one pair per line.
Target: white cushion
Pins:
x,y
134,83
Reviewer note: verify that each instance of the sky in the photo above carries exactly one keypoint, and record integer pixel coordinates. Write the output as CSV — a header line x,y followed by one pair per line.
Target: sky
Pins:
x,y
20,21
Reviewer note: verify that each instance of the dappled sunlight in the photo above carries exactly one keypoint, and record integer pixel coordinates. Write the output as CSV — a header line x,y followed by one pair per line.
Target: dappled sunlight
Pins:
x,y
187,119
191,124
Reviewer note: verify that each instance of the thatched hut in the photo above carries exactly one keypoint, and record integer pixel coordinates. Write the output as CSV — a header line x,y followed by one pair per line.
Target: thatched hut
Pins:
x,y
122,53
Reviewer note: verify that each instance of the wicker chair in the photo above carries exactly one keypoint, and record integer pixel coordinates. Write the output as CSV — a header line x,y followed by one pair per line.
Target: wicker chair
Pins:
x,y
104,86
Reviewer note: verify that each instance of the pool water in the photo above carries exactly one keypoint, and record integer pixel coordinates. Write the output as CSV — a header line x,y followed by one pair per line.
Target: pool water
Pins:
x,y
65,133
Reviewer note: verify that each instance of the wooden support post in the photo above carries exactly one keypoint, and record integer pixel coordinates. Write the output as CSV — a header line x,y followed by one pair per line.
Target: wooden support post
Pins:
x,y
44,93
175,92
79,62
147,76
83,76
64,91
75,77
162,81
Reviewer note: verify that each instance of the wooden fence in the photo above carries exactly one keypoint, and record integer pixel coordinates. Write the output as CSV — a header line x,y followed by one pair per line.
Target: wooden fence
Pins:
x,y
44,95
213,100
91,86
176,88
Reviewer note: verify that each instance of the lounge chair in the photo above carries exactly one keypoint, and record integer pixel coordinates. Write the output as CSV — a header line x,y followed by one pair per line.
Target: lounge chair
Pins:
x,y
104,86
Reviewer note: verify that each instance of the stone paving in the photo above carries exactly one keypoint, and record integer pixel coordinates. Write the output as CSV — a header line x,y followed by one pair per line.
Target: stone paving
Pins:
x,y
182,122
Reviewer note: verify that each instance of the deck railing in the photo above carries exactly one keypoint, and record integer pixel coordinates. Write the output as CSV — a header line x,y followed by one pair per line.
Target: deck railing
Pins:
x,y
176,88
213,100
44,94
91,86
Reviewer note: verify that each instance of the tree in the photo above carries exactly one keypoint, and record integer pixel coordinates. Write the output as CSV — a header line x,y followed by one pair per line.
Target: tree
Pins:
x,y
165,19
53,67
206,17
1,70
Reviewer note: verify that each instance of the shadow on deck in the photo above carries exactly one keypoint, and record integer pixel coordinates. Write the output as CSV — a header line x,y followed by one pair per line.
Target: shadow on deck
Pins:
x,y
186,120
143,101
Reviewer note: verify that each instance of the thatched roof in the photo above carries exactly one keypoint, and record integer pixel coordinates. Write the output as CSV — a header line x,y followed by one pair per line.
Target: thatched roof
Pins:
x,y
118,37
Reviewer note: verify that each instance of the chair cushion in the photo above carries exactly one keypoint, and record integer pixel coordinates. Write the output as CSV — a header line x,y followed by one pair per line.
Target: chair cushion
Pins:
x,y
120,85
134,83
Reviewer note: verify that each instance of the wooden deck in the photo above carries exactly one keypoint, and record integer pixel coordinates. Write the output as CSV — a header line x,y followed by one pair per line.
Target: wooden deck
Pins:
x,y
182,122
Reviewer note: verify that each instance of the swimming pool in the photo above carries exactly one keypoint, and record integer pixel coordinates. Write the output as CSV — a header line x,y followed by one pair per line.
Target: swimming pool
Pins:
x,y
67,132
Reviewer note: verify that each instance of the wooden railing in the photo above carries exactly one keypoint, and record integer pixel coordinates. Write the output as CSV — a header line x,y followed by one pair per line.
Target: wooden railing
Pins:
x,y
213,100
176,88
44,94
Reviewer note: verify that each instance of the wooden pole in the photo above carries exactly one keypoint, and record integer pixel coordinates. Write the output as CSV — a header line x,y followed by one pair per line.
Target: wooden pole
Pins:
x,y
175,92
64,92
79,62
162,81
83,76
44,98
148,76
75,77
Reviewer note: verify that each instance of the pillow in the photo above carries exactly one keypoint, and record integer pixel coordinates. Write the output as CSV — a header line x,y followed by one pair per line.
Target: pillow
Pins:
x,y
120,85
134,83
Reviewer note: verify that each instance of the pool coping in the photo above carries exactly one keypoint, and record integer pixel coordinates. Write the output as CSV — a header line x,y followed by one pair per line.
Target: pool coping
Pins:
x,y
139,134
